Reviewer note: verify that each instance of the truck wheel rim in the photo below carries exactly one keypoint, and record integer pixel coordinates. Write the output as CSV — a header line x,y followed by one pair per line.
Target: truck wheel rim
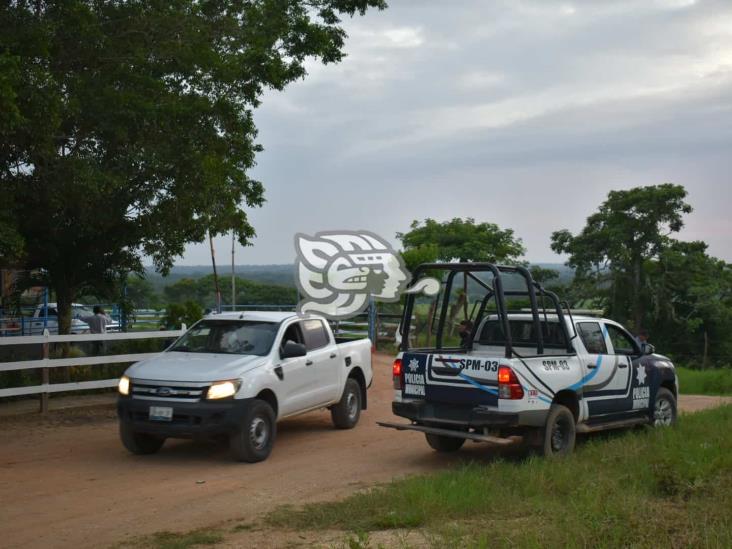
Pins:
x,y
352,405
559,436
663,413
258,433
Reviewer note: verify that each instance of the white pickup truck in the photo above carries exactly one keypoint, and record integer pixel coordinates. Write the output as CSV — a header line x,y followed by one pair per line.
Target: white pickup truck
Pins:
x,y
539,377
236,375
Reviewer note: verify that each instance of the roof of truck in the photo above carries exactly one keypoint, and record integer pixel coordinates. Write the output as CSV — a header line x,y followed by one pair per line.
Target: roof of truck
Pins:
x,y
262,316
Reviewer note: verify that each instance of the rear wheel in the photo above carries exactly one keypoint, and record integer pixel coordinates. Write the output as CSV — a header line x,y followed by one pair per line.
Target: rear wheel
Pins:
x,y
139,443
254,441
346,413
559,432
664,409
445,444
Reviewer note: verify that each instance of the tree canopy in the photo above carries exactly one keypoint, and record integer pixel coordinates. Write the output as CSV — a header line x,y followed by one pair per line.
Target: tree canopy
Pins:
x,y
461,240
126,127
629,227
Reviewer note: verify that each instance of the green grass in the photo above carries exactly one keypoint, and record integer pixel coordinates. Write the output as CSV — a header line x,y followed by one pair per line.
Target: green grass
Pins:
x,y
717,381
642,488
177,540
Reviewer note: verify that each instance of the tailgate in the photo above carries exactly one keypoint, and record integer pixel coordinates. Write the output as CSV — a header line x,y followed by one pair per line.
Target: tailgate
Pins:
x,y
450,379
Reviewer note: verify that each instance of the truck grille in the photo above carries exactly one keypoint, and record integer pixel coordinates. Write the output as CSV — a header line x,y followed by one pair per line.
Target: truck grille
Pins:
x,y
174,392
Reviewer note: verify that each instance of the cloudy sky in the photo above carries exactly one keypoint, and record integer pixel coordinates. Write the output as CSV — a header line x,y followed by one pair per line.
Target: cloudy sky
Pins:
x,y
524,113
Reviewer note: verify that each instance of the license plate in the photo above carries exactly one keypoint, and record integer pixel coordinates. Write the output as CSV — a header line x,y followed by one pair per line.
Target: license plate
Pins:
x,y
161,413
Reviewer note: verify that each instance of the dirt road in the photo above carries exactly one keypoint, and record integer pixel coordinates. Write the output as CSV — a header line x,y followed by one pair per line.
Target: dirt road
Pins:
x,y
67,481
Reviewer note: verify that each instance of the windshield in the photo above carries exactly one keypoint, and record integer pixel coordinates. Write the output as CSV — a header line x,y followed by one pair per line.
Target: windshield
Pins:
x,y
79,311
234,337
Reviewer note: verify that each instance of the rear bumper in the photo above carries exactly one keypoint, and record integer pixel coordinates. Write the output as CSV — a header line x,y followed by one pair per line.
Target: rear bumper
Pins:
x,y
190,419
478,417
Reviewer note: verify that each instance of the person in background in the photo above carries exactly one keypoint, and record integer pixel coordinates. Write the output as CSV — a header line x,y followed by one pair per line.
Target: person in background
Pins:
x,y
465,329
642,338
98,323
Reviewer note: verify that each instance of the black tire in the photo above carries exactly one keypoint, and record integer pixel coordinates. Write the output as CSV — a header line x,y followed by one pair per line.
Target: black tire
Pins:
x,y
560,432
253,442
347,412
444,444
140,444
664,412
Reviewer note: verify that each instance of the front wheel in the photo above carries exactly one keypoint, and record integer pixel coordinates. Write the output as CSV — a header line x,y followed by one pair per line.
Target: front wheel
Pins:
x,y
559,432
664,409
140,444
444,444
253,442
346,413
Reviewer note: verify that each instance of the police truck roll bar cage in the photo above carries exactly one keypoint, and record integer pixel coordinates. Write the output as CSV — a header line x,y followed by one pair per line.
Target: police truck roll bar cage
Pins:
x,y
497,291
493,388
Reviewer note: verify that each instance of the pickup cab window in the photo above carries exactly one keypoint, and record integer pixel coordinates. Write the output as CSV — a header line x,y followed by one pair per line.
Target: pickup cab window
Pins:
x,y
622,343
523,334
242,337
592,337
316,336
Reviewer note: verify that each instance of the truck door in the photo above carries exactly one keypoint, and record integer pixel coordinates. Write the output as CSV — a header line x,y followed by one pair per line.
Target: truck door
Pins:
x,y
597,370
325,363
633,387
298,384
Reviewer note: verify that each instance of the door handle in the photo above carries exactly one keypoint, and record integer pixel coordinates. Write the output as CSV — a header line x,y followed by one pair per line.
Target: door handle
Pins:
x,y
592,366
333,355
309,363
623,365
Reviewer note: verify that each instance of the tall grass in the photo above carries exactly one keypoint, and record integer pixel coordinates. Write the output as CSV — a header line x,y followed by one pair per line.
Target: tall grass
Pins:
x,y
717,381
643,488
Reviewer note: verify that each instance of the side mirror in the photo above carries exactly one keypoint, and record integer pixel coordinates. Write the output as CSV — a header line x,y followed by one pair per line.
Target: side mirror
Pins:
x,y
647,349
293,350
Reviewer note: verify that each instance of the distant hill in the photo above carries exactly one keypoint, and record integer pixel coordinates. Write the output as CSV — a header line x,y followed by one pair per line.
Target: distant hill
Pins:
x,y
566,274
282,275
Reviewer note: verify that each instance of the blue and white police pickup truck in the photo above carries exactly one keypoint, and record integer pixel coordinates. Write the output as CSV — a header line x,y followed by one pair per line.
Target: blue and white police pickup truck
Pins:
x,y
539,377
237,374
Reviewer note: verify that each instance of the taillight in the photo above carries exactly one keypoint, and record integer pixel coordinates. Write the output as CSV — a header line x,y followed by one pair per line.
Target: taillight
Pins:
x,y
396,372
508,384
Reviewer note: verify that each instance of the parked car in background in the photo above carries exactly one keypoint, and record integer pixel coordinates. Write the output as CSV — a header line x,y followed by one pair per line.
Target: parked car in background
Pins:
x,y
48,319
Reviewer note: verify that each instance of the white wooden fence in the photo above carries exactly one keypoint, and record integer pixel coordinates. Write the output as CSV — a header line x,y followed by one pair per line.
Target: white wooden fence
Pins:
x,y
46,363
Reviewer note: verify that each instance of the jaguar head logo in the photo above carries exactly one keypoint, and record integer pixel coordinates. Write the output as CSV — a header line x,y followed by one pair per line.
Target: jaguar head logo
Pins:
x,y
337,272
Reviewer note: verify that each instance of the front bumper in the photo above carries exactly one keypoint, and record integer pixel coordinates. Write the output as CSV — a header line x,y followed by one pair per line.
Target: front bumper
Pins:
x,y
455,416
190,419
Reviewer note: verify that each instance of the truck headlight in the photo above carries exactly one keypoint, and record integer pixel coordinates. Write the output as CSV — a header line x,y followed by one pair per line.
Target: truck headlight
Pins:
x,y
124,386
222,389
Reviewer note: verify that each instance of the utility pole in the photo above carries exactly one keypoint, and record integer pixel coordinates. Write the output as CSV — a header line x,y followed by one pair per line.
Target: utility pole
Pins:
x,y
216,276
233,273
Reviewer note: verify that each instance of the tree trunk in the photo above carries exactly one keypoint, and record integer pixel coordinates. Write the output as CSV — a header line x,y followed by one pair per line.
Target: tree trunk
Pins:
x,y
215,273
706,348
637,301
65,299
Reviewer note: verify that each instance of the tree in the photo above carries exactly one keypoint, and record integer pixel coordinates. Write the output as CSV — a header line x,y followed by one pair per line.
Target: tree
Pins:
x,y
461,240
691,302
543,275
176,314
141,293
126,128
630,227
